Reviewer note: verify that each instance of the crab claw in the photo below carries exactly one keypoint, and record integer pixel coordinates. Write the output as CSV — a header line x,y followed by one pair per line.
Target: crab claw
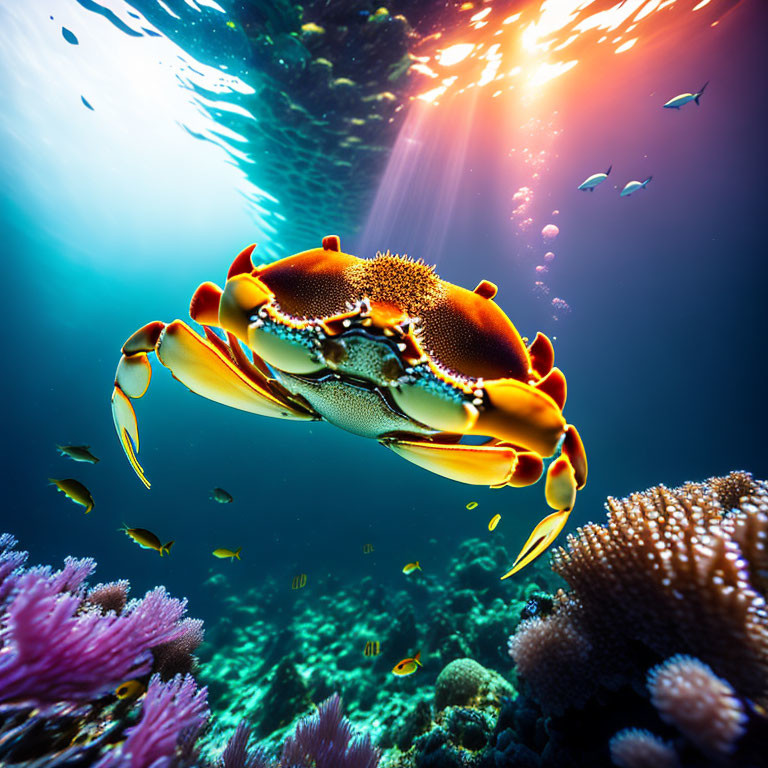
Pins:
x,y
127,429
543,535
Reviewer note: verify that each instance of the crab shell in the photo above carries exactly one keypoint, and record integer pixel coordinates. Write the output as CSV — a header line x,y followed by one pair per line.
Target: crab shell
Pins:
x,y
382,348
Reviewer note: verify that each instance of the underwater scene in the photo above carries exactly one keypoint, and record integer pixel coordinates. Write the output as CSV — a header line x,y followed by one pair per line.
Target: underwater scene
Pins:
x,y
383,385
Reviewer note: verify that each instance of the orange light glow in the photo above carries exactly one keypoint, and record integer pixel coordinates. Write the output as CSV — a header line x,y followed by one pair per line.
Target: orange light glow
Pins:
x,y
626,46
529,42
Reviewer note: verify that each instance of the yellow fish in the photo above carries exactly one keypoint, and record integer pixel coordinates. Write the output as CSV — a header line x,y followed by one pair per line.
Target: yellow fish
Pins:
x,y
131,689
76,491
147,540
299,581
312,28
372,648
231,25
77,453
472,505
411,567
222,552
367,549
407,666
494,522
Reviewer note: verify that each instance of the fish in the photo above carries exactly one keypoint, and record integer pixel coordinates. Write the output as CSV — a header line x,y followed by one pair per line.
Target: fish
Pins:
x,y
300,581
411,567
130,689
367,549
595,180
372,648
231,25
223,552
222,496
633,186
685,98
407,666
77,453
494,522
147,540
75,490
472,505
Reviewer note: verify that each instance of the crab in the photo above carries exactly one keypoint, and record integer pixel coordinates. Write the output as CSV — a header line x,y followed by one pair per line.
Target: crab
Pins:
x,y
382,348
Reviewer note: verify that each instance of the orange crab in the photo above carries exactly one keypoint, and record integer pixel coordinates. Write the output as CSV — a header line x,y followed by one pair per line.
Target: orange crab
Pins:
x,y
380,347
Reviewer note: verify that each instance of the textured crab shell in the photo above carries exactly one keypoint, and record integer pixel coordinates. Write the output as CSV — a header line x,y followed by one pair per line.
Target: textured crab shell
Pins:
x,y
463,332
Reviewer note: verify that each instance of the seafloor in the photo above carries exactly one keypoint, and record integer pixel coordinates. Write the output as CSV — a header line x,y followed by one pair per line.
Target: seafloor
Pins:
x,y
646,646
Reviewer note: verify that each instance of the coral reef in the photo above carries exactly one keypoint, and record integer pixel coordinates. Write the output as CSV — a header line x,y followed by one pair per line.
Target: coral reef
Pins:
x,y
267,663
655,655
65,649
673,571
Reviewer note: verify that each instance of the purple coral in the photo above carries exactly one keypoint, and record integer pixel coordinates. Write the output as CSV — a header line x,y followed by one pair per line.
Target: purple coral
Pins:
x,y
237,754
172,716
11,562
326,740
53,653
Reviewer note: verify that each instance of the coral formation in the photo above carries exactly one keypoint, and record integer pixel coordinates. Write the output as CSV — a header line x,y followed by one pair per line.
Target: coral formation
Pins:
x,y
326,740
109,597
65,649
466,613
172,715
673,571
655,655
704,708
637,748
464,681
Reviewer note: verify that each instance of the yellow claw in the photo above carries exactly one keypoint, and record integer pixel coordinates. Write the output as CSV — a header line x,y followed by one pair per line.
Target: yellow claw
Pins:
x,y
560,488
127,430
543,535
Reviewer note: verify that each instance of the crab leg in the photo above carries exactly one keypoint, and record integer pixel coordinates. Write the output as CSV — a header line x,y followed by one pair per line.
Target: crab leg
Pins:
x,y
494,463
543,535
566,475
201,366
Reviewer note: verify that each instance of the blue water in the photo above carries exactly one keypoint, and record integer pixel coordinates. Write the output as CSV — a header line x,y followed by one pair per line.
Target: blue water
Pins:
x,y
110,216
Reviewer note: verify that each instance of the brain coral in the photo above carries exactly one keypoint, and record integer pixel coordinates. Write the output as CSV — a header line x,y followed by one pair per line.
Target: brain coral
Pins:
x,y
464,680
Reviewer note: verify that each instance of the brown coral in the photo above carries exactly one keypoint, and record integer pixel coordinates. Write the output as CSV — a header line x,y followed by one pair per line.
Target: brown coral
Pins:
x,y
704,708
109,597
177,656
673,570
553,658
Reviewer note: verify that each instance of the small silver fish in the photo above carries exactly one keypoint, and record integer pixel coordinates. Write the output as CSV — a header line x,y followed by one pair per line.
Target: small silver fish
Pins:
x,y
78,453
